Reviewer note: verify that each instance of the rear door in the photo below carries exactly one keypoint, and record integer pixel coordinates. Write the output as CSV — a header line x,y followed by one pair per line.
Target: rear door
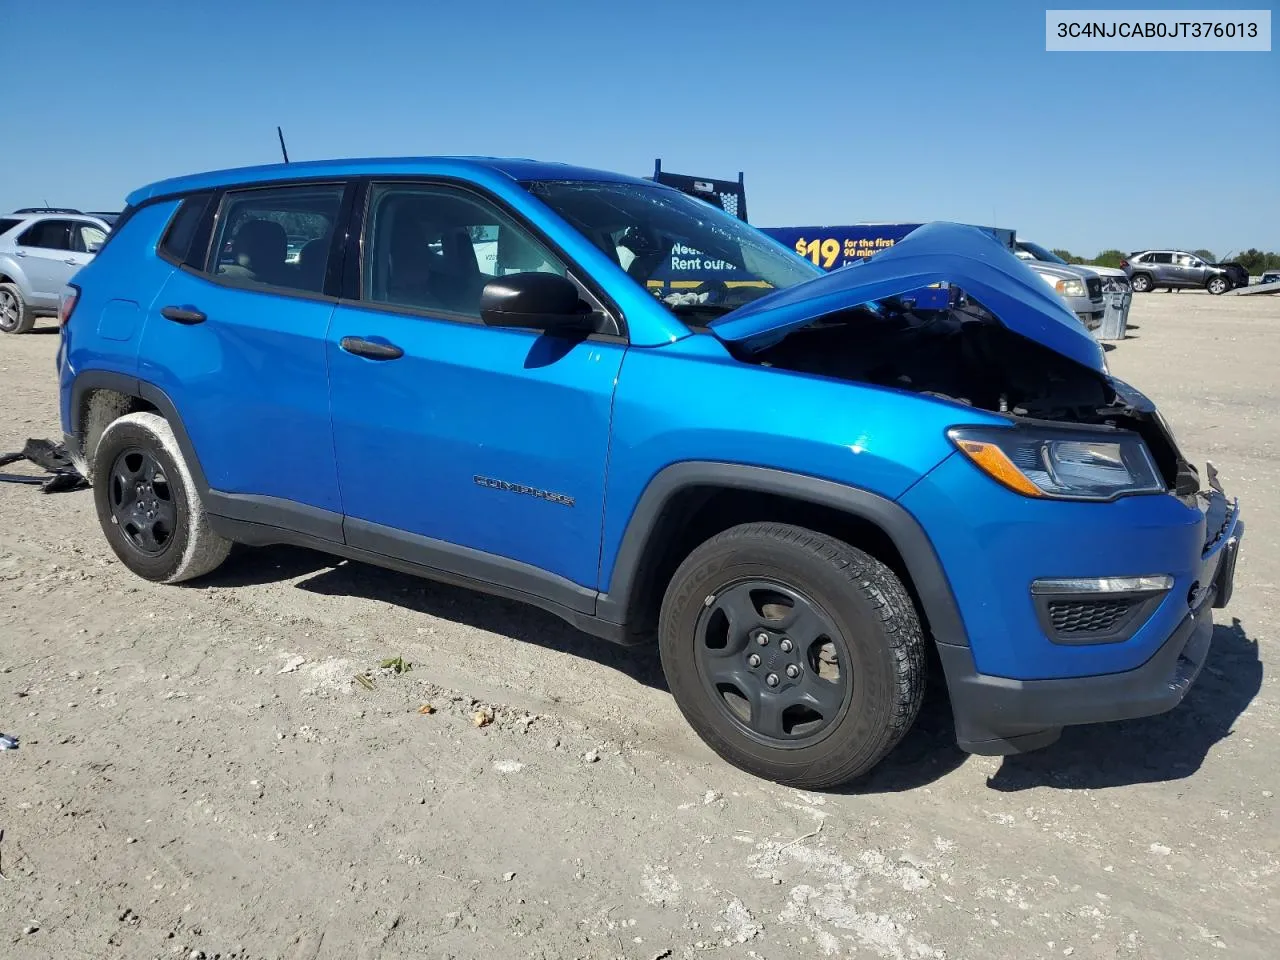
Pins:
x,y
86,238
1162,269
458,444
237,339
45,251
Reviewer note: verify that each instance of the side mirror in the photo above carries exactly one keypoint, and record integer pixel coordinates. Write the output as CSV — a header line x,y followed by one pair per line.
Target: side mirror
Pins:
x,y
538,301
93,247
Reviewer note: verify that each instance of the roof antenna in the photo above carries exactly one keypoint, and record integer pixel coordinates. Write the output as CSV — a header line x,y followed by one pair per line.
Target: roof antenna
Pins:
x,y
280,134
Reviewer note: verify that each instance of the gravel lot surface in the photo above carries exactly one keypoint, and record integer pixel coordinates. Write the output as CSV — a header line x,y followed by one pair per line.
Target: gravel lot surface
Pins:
x,y
201,776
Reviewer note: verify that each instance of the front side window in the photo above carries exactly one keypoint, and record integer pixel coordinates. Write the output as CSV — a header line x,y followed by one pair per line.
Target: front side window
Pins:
x,y
277,237
48,235
659,235
434,248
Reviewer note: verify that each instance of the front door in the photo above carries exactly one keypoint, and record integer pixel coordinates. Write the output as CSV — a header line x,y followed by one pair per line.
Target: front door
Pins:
x,y
458,444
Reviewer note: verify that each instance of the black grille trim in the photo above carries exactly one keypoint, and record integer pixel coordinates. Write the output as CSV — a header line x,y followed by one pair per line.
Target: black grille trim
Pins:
x,y
1083,616
1095,618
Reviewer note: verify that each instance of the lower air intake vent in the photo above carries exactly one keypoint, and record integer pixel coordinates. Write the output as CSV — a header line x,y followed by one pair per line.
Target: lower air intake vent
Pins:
x,y
1088,616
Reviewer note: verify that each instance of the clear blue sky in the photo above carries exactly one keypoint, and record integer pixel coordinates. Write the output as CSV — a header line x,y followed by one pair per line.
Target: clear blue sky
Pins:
x,y
837,111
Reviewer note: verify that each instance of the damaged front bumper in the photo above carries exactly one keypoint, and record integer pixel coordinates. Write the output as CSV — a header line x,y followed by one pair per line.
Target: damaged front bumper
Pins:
x,y
998,715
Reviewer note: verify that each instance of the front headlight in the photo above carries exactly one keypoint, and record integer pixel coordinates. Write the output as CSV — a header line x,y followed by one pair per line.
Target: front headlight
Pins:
x,y
1070,288
1062,464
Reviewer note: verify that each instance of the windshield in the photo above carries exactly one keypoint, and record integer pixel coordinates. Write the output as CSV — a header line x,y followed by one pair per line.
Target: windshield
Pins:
x,y
692,256
1039,252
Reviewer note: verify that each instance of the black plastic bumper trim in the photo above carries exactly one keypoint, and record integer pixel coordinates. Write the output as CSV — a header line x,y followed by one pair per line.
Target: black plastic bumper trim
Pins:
x,y
997,715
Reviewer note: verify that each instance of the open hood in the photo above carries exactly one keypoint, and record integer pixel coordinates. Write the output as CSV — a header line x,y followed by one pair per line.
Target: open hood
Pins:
x,y
961,256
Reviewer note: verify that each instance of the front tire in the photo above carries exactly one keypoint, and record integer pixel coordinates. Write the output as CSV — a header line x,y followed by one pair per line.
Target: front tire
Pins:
x,y
1218,285
793,655
1141,283
15,315
148,504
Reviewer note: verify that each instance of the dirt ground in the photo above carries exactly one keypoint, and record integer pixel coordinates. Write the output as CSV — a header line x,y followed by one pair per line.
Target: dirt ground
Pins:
x,y
200,775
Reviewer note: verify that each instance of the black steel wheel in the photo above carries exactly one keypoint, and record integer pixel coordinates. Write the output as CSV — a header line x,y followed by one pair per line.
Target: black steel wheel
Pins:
x,y
792,654
771,658
148,505
141,500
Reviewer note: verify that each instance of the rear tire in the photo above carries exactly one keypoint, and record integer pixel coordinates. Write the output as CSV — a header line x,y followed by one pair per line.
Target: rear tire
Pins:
x,y
15,315
148,504
1141,283
839,678
1218,285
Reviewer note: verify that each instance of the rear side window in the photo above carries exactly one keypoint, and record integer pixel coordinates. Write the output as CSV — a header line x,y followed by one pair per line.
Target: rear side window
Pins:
x,y
176,245
48,235
1161,258
88,238
277,237
7,224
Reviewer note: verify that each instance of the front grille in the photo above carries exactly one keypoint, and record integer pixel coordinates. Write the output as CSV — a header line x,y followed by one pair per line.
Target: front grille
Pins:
x,y
1094,286
1088,616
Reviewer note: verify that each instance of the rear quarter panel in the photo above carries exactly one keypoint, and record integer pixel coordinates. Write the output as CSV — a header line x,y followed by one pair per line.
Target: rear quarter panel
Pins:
x,y
116,289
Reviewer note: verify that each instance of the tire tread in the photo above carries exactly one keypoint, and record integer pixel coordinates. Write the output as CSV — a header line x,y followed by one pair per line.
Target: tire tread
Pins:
x,y
902,633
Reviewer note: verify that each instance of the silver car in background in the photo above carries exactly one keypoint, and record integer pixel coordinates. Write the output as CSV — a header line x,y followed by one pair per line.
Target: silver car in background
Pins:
x,y
40,251
1114,280
1080,287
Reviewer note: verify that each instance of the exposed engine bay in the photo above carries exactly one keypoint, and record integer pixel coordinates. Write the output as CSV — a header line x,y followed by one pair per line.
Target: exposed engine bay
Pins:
x,y
964,354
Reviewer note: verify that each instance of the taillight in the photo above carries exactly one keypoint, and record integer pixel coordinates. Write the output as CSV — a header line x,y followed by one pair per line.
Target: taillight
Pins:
x,y
67,303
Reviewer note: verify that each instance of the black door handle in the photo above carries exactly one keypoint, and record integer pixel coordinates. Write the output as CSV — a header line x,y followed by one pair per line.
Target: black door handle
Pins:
x,y
185,315
370,349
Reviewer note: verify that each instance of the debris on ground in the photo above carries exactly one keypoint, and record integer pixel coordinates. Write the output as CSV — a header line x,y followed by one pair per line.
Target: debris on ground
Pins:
x,y
591,756
426,709
396,665
8,742
50,457
482,717
364,680
293,665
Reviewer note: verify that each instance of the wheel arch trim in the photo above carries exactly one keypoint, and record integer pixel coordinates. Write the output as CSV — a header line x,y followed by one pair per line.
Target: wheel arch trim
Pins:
x,y
913,544
130,386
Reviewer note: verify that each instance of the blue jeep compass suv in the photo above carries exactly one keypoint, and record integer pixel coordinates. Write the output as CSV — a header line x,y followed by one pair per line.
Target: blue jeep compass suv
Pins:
x,y
802,483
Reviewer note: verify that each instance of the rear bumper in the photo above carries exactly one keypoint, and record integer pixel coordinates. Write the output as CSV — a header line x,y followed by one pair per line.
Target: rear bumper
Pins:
x,y
998,715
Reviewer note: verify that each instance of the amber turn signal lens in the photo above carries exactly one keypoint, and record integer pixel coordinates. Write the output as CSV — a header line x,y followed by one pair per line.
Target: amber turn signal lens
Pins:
x,y
996,464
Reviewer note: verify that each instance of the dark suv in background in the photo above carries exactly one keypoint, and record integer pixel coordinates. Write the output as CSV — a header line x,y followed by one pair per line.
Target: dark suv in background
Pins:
x,y
1177,269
